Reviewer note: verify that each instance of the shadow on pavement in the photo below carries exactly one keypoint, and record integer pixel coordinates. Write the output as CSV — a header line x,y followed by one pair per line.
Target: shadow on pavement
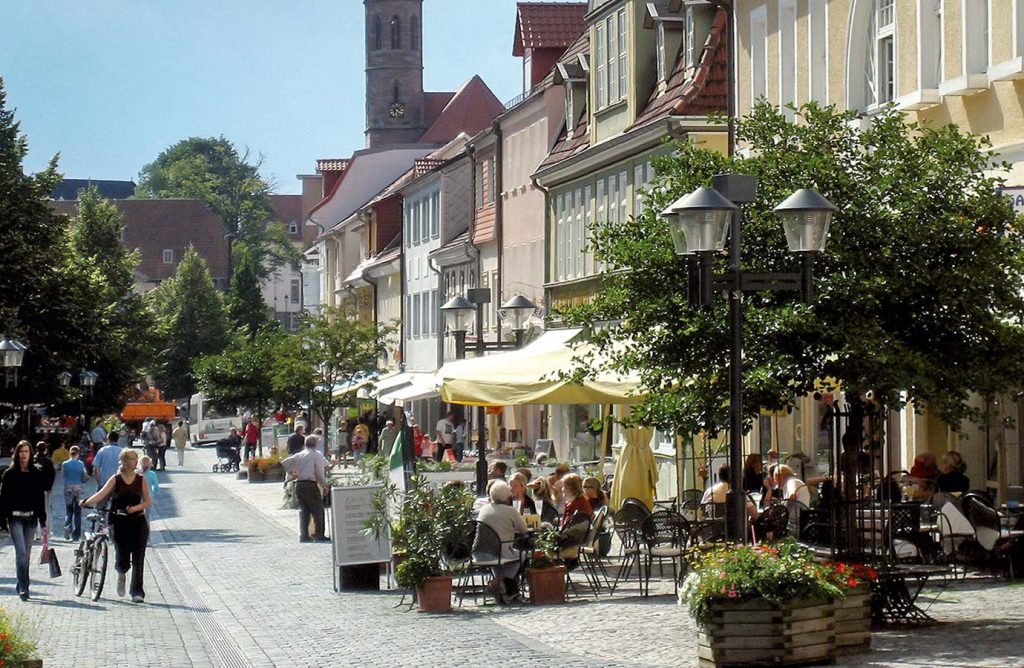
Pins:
x,y
186,536
70,603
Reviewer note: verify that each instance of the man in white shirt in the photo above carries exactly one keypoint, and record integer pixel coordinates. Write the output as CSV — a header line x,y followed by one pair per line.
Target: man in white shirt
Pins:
x,y
445,435
309,468
716,493
792,488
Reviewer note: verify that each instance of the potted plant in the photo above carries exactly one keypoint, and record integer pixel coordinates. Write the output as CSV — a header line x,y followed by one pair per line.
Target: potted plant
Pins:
x,y
254,474
545,575
262,469
770,603
431,522
17,648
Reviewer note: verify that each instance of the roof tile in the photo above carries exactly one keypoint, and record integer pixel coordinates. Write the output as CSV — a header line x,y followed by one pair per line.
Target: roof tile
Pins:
x,y
547,25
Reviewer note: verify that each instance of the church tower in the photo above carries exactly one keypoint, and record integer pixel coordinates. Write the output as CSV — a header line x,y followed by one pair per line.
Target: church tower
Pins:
x,y
394,72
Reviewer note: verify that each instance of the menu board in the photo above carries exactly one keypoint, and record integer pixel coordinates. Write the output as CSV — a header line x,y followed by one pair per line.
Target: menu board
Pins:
x,y
351,507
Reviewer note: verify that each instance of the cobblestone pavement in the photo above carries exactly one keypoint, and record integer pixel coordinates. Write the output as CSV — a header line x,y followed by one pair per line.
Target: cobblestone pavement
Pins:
x,y
228,584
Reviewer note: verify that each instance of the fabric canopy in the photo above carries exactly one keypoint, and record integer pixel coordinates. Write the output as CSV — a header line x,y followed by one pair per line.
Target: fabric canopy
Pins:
x,y
530,376
636,473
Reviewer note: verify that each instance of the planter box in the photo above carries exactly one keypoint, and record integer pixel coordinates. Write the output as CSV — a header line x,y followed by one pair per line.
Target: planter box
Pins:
x,y
853,622
757,632
436,594
256,476
547,585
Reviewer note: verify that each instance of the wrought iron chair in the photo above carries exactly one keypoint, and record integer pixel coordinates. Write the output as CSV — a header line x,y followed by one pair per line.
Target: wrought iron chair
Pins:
x,y
665,534
637,503
993,538
570,542
487,552
590,551
627,523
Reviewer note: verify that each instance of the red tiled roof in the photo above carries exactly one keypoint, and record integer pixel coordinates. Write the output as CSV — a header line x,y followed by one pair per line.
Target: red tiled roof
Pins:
x,y
433,105
423,165
471,109
332,164
547,25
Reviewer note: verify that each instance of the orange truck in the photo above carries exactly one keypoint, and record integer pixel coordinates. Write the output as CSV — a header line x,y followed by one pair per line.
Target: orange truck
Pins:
x,y
153,407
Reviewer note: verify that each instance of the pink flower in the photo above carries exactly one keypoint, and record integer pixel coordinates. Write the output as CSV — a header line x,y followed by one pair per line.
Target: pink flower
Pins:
x,y
732,593
723,575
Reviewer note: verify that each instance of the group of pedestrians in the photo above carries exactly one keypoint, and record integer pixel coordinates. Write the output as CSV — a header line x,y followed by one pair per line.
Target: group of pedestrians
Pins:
x,y
24,503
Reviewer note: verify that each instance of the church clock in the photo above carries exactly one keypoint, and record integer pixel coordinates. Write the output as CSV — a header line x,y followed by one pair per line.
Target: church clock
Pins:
x,y
397,110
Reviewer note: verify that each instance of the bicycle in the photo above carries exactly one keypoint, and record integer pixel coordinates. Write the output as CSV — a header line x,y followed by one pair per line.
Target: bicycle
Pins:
x,y
91,557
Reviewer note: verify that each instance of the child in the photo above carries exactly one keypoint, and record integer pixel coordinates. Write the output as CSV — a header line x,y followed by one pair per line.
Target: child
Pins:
x,y
146,464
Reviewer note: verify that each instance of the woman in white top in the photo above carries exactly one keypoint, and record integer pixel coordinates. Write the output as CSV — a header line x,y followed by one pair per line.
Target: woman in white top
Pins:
x,y
791,488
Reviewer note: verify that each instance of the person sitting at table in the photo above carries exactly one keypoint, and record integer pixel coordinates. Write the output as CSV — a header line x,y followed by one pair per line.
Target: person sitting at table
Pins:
x,y
790,487
526,473
555,484
521,501
952,478
545,504
575,501
753,473
506,522
592,490
716,493
497,471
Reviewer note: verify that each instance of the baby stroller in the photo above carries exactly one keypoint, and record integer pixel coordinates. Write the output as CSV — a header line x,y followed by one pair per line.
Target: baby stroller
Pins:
x,y
228,458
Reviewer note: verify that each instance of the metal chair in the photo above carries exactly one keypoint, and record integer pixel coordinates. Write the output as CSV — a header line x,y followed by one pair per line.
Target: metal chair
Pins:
x,y
954,530
990,534
487,553
664,537
627,523
637,503
571,540
689,503
590,551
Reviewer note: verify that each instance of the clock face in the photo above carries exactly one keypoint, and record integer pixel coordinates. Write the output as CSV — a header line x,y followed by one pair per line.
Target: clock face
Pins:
x,y
397,110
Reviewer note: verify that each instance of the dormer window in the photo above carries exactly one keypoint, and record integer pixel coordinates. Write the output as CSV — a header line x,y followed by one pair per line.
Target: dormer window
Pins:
x,y
612,63
669,30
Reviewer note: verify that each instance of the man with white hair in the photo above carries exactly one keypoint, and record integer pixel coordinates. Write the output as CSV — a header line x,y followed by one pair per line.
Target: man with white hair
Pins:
x,y
790,487
505,521
309,468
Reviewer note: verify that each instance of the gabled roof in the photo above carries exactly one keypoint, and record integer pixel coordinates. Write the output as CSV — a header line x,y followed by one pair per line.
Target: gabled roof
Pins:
x,y
688,92
68,189
547,25
433,105
470,110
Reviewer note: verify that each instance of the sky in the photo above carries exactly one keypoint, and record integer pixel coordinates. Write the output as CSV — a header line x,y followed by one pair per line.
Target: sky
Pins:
x,y
109,84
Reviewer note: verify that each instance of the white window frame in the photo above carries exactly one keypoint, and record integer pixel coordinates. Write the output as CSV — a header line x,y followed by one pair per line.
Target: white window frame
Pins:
x,y
611,56
293,227
758,54
689,39
787,56
881,68
1018,34
623,54
168,256
977,29
416,315
435,216
662,56
817,51
601,59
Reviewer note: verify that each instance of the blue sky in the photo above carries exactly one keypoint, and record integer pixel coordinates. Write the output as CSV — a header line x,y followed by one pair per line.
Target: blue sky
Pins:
x,y
110,83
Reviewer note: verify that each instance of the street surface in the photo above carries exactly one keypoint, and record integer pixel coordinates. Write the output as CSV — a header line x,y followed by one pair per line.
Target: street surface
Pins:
x,y
228,585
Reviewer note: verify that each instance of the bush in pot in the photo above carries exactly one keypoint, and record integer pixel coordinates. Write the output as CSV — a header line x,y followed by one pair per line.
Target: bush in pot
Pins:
x,y
17,648
545,575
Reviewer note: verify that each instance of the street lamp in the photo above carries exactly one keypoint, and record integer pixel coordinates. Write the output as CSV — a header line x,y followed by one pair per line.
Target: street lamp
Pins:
x,y
458,314
65,379
87,379
12,353
700,224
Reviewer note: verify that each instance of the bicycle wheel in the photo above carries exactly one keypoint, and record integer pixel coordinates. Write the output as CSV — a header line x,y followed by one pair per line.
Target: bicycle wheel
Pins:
x,y
99,568
82,568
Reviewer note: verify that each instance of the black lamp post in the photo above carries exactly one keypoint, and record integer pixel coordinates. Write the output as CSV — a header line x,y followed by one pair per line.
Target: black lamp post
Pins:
x,y
12,353
701,223
458,312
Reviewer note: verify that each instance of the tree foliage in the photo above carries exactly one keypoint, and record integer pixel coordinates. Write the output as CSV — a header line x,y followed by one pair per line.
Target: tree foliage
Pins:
x,y
246,308
241,375
190,321
918,289
330,352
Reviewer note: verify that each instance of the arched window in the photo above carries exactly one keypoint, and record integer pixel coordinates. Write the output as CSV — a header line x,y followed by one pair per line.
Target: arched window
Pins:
x,y
396,92
871,75
414,34
396,33
377,30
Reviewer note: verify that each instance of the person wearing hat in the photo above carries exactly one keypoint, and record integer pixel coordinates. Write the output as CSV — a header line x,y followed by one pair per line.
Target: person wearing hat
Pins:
x,y
500,516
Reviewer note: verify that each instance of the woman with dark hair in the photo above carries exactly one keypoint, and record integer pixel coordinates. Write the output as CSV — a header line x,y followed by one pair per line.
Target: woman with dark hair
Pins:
x,y
753,473
23,506
130,498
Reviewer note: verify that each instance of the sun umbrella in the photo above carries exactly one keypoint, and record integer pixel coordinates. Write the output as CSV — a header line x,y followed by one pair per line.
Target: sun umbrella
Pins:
x,y
636,474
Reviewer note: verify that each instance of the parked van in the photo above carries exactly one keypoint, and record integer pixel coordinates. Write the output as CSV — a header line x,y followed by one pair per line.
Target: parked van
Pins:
x,y
207,425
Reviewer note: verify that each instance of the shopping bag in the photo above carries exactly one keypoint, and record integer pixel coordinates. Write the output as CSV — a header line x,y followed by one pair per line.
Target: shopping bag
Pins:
x,y
55,571
44,556
449,456
290,500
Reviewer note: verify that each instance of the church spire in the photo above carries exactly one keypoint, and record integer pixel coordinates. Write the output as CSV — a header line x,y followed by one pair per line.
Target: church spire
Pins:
x,y
394,72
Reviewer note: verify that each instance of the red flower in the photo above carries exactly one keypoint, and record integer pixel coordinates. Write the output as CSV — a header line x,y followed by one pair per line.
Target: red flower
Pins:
x,y
852,582
732,593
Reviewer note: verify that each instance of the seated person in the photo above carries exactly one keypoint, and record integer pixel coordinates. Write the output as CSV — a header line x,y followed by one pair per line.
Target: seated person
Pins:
x,y
716,493
790,487
523,504
544,502
575,501
952,478
506,522
592,490
497,471
753,474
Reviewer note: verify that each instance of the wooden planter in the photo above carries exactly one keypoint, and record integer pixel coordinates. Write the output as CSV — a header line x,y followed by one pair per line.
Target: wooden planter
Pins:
x,y
757,632
547,585
853,622
275,474
436,594
256,475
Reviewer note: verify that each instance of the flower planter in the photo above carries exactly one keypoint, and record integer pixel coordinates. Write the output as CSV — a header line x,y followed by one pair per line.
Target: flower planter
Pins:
x,y
256,475
436,594
547,585
853,621
275,474
757,632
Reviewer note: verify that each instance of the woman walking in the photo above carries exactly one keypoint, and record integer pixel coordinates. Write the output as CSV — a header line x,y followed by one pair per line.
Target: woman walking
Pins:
x,y
129,499
22,505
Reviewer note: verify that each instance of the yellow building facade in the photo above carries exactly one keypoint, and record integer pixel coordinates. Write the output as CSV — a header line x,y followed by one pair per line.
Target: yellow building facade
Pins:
x,y
940,61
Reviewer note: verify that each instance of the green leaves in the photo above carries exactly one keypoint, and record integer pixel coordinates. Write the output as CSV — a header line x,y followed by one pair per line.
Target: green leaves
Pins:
x,y
918,289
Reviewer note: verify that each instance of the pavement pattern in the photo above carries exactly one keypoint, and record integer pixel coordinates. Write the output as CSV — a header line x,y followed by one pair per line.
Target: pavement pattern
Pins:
x,y
229,585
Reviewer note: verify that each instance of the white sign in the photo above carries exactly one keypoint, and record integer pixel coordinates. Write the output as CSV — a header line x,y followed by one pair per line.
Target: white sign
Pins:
x,y
350,508
1016,196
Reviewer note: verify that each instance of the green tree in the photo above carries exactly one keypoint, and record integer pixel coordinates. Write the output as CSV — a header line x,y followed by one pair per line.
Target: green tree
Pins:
x,y
212,170
246,308
240,376
46,300
190,322
121,337
326,359
918,289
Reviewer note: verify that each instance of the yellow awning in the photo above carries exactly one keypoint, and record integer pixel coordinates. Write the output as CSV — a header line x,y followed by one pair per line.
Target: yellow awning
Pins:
x,y
530,376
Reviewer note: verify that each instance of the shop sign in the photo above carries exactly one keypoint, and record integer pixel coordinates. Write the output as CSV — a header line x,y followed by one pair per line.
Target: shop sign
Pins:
x,y
1016,196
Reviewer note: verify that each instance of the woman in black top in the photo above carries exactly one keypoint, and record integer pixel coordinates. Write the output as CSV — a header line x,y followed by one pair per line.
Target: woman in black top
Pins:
x,y
753,473
23,504
129,499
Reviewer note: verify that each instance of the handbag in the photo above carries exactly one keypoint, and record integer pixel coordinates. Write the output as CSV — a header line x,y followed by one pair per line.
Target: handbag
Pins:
x,y
290,500
49,556
55,571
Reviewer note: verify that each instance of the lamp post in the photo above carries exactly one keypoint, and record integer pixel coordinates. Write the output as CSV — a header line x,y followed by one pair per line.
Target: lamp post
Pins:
x,y
12,353
700,224
458,312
